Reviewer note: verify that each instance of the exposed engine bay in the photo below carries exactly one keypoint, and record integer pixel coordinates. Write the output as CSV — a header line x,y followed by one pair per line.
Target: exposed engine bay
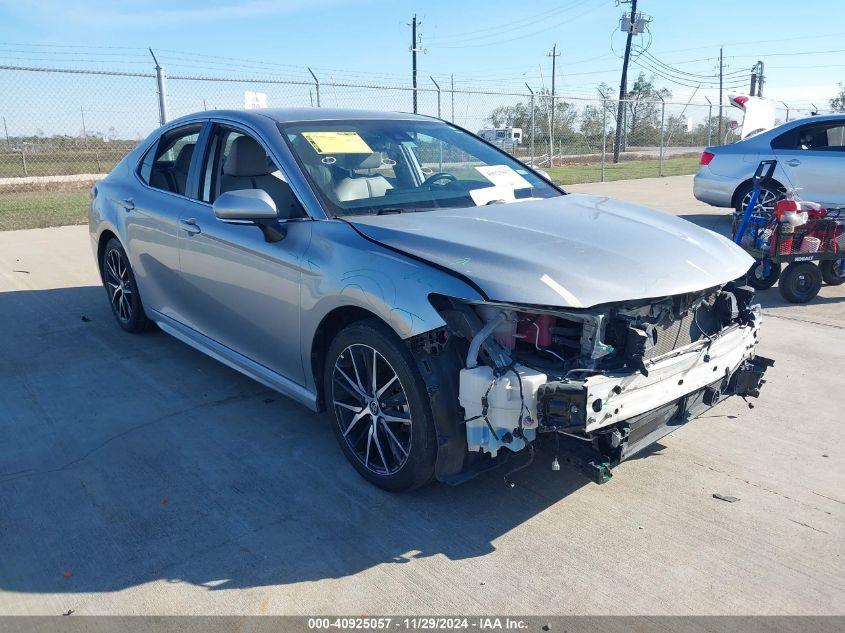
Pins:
x,y
617,376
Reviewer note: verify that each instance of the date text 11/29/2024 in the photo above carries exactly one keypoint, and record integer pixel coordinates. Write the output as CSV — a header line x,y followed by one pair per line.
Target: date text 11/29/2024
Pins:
x,y
480,623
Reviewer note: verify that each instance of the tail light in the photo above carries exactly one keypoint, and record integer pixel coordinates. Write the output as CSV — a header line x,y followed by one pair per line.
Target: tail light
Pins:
x,y
741,100
706,157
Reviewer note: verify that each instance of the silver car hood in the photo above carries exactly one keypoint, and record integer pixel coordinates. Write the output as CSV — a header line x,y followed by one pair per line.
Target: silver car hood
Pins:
x,y
571,251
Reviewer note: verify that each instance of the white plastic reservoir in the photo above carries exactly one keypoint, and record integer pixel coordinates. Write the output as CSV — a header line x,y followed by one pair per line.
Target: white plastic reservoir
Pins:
x,y
504,406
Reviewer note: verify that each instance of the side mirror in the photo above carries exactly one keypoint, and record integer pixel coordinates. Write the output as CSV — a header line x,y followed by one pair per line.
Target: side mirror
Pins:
x,y
245,205
543,173
250,206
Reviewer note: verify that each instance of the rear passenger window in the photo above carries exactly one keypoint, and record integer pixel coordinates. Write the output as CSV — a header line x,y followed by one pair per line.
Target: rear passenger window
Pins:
x,y
172,160
828,136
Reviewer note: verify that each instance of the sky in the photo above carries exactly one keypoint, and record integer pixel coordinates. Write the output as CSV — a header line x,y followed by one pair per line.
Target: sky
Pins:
x,y
486,44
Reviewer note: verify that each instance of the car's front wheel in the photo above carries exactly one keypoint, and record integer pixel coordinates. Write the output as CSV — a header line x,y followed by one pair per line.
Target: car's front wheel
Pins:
x,y
382,415
121,288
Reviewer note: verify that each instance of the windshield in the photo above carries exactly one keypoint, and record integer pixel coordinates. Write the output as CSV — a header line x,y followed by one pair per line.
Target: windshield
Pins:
x,y
392,166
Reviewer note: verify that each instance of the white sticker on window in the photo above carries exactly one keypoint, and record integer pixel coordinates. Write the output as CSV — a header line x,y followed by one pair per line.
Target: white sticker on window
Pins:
x,y
503,176
486,195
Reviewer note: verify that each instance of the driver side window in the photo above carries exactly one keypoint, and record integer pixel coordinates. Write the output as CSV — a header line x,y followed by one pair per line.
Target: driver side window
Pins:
x,y
234,161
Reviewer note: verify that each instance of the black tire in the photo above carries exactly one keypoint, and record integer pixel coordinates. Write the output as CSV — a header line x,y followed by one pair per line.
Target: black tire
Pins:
x,y
771,194
401,471
124,299
833,271
759,279
800,282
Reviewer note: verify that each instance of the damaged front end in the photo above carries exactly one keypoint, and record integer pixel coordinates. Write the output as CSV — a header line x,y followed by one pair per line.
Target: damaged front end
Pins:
x,y
614,378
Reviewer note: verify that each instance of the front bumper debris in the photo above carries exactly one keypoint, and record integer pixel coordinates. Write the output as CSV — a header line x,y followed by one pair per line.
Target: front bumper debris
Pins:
x,y
614,444
608,398
609,382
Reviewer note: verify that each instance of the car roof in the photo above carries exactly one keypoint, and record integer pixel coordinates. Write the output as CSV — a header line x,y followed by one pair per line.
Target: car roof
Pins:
x,y
291,115
820,118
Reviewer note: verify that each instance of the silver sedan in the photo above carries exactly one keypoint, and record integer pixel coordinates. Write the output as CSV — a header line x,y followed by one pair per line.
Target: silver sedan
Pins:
x,y
447,304
811,160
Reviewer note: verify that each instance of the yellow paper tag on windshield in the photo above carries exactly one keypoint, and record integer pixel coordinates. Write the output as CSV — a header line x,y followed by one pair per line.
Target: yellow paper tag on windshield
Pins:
x,y
337,143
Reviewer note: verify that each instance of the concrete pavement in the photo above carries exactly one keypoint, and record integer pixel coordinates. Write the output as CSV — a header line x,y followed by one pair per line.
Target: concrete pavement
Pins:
x,y
138,476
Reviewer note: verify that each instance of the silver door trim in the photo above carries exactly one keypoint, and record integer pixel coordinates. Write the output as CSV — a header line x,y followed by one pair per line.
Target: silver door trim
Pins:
x,y
235,360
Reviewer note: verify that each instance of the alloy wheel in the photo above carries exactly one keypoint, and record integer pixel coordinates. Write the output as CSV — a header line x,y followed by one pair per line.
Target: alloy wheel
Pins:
x,y
372,409
766,201
119,285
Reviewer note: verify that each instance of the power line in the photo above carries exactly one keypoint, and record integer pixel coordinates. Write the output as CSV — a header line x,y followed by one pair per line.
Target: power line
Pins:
x,y
824,52
690,82
498,41
651,58
77,60
135,48
67,53
812,36
503,28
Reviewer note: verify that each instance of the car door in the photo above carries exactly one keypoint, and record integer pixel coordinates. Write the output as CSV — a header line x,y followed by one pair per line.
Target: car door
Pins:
x,y
813,157
241,290
151,218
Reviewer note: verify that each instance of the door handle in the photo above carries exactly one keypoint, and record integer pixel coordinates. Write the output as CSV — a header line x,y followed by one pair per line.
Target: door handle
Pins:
x,y
128,204
793,162
190,226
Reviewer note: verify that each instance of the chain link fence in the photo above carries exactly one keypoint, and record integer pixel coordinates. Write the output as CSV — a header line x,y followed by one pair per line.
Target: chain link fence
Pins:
x,y
63,129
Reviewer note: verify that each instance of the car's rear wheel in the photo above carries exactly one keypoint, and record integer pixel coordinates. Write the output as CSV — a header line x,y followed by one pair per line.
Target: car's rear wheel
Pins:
x,y
766,201
121,288
800,282
382,416
833,271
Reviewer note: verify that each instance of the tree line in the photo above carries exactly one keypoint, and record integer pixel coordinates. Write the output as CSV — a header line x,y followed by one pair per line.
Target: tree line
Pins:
x,y
583,130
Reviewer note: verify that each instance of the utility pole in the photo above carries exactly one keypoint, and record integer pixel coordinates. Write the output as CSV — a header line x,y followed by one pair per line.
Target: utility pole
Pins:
x,y
623,83
414,51
554,55
721,75
757,79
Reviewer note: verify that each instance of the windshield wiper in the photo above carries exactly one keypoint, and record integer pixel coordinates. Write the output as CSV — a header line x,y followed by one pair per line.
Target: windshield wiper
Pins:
x,y
389,210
